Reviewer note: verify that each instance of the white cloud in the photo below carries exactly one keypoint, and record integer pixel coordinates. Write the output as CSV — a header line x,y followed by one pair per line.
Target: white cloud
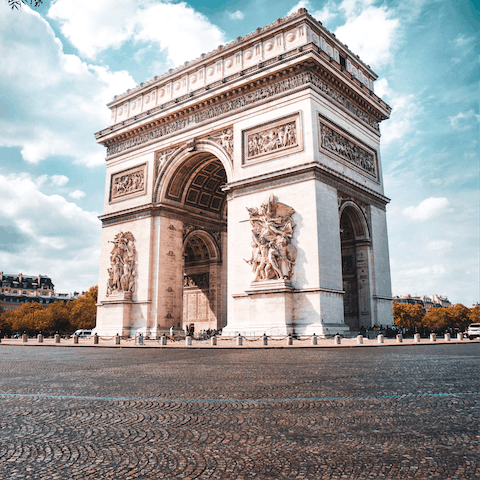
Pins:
x,y
439,246
55,101
176,28
369,31
300,4
55,237
77,194
428,208
59,180
327,13
423,271
238,15
463,121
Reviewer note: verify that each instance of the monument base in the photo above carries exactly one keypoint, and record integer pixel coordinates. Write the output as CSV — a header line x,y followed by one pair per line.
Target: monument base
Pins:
x,y
114,315
270,303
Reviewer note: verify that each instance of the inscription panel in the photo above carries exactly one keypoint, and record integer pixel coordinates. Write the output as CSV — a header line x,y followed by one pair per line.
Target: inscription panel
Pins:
x,y
339,144
128,183
273,139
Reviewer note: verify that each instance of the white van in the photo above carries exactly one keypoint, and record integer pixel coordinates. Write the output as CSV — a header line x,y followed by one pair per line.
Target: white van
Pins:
x,y
83,333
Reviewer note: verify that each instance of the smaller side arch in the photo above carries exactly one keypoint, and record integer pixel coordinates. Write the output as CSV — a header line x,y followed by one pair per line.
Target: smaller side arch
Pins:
x,y
357,218
212,247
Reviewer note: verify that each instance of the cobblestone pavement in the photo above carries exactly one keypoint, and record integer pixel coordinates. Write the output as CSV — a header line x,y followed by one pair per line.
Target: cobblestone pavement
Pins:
x,y
366,413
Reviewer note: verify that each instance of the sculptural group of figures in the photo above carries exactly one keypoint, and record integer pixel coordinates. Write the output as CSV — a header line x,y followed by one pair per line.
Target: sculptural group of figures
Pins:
x,y
272,139
273,255
129,183
341,146
121,274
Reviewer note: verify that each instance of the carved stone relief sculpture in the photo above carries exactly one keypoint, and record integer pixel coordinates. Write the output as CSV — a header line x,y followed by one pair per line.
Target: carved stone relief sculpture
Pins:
x,y
352,152
162,158
267,141
224,138
121,274
128,183
273,254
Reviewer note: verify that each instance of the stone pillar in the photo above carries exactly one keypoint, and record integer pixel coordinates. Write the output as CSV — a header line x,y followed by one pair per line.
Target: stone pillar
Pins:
x,y
167,287
239,340
314,339
57,338
433,337
265,340
117,339
380,338
188,340
416,338
40,338
447,337
140,339
95,339
399,338
289,340
75,339
337,340
24,338
460,336
163,340
360,339
213,341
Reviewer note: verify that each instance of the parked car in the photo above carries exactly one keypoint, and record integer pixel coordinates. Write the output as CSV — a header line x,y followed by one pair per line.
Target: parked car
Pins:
x,y
473,331
83,333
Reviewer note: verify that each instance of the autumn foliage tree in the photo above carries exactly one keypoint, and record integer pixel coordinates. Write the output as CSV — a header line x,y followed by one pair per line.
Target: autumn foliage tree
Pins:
x,y
408,316
56,317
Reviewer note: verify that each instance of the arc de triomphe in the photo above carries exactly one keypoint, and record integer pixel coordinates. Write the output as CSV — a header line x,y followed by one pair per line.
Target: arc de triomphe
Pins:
x,y
244,191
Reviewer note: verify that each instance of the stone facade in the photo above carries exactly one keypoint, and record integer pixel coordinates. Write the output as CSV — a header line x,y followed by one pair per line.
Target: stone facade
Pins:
x,y
250,182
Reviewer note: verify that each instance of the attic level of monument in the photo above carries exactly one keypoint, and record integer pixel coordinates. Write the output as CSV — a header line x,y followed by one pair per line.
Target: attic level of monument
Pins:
x,y
164,108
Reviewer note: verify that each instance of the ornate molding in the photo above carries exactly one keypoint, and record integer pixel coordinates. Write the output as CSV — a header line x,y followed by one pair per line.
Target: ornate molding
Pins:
x,y
121,274
206,115
273,254
197,280
344,146
273,139
217,236
128,183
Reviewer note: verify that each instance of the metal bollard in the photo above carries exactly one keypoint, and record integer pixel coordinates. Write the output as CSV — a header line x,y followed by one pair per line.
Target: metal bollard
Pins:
x,y
24,338
75,339
360,339
213,340
289,340
314,339
447,337
416,338
239,340
163,340
140,339
459,336
265,340
117,339
95,339
40,338
380,338
57,338
399,338
433,337
337,340
188,340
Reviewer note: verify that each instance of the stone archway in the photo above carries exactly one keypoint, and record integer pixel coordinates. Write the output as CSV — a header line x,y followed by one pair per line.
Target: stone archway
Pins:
x,y
355,245
191,195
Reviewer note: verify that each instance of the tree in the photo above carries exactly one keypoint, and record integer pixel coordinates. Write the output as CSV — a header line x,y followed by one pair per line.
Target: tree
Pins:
x,y
16,4
408,316
83,310
439,319
474,314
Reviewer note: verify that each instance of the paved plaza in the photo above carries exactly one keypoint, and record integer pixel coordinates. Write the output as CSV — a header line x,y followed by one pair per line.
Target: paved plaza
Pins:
x,y
345,413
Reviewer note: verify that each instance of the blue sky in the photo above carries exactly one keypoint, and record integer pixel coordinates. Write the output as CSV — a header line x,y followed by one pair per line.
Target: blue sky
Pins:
x,y
61,63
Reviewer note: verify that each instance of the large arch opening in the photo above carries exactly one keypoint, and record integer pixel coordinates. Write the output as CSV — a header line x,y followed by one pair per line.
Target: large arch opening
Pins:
x,y
355,243
195,189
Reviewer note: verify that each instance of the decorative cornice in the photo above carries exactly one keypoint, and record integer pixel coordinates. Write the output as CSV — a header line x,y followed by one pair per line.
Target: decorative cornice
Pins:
x,y
301,80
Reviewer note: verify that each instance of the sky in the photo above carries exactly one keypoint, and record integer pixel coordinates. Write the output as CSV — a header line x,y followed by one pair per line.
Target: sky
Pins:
x,y
62,62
